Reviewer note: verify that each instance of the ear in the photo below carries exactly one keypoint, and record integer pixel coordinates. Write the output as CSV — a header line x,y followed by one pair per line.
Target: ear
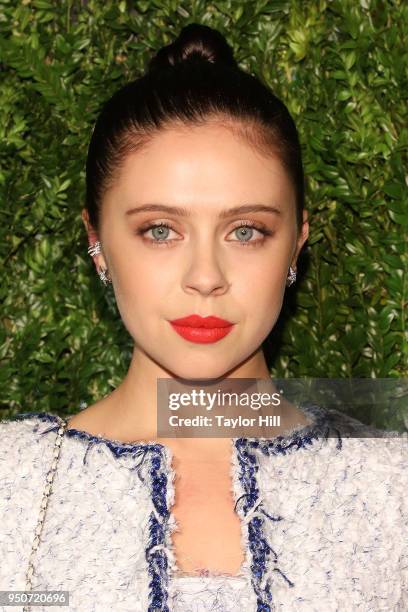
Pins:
x,y
303,236
93,237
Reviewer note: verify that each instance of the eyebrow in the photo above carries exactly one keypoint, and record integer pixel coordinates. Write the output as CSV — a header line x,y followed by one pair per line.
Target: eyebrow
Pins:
x,y
224,214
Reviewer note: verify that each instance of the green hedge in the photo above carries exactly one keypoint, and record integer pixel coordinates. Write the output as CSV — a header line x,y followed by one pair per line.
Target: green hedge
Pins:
x,y
339,66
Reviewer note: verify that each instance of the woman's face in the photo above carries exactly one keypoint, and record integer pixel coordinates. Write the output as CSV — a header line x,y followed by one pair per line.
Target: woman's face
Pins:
x,y
204,263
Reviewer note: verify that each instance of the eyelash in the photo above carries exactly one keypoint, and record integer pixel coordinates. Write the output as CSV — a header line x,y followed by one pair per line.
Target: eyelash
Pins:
x,y
258,226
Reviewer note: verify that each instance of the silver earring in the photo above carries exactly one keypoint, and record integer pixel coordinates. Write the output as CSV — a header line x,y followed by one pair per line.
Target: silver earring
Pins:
x,y
102,275
95,249
291,276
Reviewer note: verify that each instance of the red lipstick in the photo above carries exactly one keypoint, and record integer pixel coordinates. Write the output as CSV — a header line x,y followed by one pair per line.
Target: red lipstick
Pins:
x,y
202,329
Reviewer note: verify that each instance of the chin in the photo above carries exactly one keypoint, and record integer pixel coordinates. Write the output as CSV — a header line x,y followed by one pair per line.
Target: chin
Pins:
x,y
198,372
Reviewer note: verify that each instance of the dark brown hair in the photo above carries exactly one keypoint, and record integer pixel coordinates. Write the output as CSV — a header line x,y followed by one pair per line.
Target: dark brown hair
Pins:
x,y
191,81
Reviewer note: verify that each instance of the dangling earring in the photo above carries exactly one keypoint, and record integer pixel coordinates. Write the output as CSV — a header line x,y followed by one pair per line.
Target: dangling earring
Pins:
x,y
93,250
102,275
291,276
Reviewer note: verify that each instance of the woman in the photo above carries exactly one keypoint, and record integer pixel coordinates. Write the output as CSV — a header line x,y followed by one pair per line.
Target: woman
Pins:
x,y
195,206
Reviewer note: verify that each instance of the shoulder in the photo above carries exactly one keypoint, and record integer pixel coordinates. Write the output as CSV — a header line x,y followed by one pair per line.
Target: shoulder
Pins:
x,y
344,448
21,439
27,424
372,448
351,426
369,462
382,445
25,459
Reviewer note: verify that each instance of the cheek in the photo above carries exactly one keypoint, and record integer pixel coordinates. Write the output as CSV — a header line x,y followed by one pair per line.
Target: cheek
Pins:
x,y
263,281
141,287
260,294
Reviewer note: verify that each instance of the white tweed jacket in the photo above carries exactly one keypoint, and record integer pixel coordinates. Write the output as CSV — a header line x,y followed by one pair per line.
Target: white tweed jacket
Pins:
x,y
324,520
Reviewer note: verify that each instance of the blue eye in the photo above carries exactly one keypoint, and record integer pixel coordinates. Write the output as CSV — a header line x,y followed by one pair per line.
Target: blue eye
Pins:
x,y
248,228
245,230
160,232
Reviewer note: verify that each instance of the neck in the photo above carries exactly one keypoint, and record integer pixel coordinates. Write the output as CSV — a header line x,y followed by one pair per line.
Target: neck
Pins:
x,y
129,413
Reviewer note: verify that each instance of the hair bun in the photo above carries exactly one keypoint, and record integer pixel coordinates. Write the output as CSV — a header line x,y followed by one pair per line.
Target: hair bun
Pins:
x,y
195,41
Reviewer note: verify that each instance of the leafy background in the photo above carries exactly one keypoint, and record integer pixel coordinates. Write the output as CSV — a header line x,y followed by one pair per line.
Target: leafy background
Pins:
x,y
339,66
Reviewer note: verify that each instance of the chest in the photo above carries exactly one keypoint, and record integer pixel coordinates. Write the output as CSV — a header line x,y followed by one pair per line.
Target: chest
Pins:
x,y
208,538
316,530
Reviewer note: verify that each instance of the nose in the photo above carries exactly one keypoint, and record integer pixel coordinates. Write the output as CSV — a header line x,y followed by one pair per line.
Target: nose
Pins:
x,y
205,271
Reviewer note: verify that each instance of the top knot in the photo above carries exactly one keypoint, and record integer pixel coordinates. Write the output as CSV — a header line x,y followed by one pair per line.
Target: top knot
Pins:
x,y
195,41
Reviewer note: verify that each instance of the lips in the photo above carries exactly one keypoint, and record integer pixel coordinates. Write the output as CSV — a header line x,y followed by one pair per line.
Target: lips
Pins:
x,y
205,322
202,330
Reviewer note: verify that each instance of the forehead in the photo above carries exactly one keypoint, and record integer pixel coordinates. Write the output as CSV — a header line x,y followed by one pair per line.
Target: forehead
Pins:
x,y
208,165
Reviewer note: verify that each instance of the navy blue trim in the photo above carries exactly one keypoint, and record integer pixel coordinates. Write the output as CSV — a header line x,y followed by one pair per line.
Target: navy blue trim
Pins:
x,y
246,451
118,448
301,437
157,560
257,543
